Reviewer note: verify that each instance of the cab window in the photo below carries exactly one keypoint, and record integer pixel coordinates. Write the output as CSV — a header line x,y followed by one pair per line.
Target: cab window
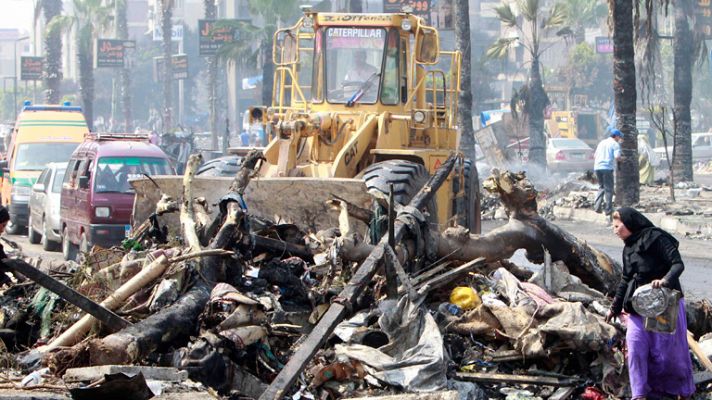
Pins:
x,y
389,91
70,178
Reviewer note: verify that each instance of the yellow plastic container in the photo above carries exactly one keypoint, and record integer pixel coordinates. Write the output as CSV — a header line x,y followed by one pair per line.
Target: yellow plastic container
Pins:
x,y
465,297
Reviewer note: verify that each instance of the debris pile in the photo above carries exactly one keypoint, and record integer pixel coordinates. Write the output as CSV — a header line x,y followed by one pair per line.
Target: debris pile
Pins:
x,y
241,308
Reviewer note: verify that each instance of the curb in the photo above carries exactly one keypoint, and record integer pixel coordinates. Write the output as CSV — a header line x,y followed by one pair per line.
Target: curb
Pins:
x,y
670,223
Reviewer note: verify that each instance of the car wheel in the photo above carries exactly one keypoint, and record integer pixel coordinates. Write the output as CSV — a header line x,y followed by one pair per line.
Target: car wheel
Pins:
x,y
12,228
69,250
32,234
47,244
84,244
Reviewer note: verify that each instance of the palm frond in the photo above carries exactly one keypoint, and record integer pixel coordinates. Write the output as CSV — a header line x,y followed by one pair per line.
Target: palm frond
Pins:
x,y
500,48
529,9
506,15
60,23
557,16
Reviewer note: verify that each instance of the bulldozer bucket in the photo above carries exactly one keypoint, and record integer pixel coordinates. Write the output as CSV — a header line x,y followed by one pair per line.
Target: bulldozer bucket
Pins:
x,y
301,201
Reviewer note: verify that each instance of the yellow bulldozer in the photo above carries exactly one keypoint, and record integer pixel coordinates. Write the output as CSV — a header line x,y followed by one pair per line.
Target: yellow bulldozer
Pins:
x,y
360,102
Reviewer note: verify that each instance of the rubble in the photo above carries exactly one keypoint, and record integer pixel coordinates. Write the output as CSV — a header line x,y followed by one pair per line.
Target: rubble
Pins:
x,y
241,307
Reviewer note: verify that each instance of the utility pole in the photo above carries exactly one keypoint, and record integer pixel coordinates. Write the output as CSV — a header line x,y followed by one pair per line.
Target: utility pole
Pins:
x,y
14,84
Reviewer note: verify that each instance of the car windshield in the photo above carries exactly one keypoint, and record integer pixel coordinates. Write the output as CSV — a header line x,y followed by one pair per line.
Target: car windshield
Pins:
x,y
568,144
353,64
36,156
57,184
113,173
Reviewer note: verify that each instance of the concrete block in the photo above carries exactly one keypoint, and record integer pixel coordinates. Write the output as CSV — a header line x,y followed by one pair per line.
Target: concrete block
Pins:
x,y
88,374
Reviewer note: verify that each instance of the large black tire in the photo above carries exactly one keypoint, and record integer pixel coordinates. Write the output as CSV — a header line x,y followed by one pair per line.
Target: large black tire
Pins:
x,y
12,228
407,178
468,207
32,236
47,244
223,166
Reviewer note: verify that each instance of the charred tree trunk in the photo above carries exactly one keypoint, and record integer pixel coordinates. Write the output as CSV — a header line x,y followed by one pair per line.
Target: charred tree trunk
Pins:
x,y
535,106
625,96
52,73
683,53
526,229
167,26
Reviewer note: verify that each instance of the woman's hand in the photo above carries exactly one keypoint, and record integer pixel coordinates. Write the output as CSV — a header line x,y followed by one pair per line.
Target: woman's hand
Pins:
x,y
658,283
609,316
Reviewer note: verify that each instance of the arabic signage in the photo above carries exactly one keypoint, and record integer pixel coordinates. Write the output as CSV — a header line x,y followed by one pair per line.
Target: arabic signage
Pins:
x,y
604,45
179,69
31,68
420,8
212,34
109,53
703,18
176,33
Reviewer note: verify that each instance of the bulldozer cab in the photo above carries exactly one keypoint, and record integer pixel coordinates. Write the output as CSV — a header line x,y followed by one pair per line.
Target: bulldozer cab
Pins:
x,y
360,103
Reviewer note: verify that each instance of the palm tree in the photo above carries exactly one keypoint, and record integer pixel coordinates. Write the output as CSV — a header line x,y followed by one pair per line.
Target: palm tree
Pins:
x,y
274,14
684,55
211,12
53,51
531,30
582,14
167,26
90,17
122,32
625,96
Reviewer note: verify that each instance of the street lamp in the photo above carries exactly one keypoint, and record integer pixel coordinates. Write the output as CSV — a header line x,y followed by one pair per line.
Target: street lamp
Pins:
x,y
14,88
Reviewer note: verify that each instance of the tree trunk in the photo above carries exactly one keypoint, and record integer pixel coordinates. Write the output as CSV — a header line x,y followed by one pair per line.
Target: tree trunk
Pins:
x,y
625,96
122,31
211,12
86,84
167,26
464,112
535,106
267,70
682,88
53,52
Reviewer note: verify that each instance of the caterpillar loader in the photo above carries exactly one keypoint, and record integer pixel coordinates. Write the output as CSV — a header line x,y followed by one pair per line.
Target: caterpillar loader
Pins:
x,y
360,102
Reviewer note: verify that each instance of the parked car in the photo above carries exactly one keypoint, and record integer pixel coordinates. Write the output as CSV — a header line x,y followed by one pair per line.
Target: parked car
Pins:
x,y
97,199
43,225
701,149
568,155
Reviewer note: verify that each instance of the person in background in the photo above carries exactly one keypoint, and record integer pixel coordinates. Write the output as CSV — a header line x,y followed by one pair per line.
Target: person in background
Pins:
x,y
608,152
658,363
647,161
245,139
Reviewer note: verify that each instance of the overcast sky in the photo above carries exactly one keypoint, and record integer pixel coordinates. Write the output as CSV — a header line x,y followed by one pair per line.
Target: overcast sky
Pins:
x,y
16,14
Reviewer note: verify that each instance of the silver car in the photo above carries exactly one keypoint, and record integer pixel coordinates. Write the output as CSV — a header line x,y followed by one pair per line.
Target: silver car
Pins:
x,y
568,155
43,224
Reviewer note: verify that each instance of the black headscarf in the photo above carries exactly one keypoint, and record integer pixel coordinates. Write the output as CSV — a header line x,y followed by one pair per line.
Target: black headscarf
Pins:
x,y
643,233
4,214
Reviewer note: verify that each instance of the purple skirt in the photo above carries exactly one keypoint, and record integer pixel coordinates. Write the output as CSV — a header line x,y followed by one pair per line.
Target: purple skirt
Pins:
x,y
659,363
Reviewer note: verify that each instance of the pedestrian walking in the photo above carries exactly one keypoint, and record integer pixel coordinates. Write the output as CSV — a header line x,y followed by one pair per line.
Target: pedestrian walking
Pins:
x,y
608,152
4,219
659,363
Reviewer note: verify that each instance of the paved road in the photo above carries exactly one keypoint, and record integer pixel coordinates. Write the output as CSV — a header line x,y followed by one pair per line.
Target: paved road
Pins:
x,y
696,280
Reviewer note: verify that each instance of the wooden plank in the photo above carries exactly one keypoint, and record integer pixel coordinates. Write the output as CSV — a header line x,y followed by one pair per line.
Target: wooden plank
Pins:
x,y
699,353
363,276
524,379
702,377
452,275
563,393
106,316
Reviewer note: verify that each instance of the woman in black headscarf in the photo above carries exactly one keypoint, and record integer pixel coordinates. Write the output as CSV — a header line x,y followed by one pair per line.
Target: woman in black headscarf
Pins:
x,y
658,363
